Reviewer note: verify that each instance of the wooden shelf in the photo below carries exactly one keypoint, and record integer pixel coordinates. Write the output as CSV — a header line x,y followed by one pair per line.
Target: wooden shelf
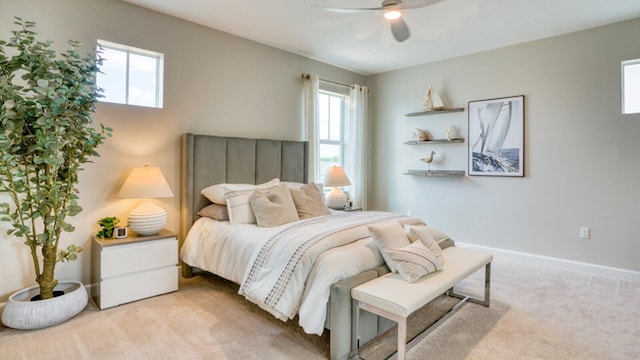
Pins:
x,y
439,173
435,141
443,111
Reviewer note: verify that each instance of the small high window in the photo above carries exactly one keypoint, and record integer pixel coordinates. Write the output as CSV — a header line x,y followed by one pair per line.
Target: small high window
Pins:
x,y
130,75
631,86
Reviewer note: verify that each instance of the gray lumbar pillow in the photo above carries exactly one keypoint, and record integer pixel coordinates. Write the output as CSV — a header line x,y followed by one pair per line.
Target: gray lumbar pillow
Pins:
x,y
309,201
273,207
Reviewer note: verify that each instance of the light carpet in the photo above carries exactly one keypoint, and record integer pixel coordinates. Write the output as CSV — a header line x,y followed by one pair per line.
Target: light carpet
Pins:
x,y
536,313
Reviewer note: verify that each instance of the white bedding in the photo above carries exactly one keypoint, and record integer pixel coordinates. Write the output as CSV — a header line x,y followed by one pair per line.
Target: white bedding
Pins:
x,y
228,250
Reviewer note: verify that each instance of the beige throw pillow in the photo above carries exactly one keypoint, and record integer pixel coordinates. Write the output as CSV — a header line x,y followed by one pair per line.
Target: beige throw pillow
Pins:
x,y
414,261
386,236
443,240
309,201
422,234
273,207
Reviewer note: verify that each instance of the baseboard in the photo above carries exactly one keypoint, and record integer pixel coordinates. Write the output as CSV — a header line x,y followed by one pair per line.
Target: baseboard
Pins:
x,y
611,272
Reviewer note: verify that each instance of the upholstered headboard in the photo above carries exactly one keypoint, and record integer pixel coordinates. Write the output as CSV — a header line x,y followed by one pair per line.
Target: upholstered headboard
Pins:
x,y
208,160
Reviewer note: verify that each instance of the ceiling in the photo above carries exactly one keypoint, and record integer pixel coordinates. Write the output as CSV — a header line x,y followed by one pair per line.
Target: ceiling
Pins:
x,y
362,41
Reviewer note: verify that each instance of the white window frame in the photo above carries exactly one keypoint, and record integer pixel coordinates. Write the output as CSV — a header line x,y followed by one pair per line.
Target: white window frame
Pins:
x,y
624,65
159,58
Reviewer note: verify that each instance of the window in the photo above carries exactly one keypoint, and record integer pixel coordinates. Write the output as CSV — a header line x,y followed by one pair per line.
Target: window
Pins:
x,y
631,86
129,75
331,129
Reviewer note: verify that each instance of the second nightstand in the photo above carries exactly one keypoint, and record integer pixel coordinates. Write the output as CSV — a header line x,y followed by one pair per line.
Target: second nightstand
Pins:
x,y
125,270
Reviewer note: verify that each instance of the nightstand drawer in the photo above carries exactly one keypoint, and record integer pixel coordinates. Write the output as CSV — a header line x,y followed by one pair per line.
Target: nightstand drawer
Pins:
x,y
124,289
139,256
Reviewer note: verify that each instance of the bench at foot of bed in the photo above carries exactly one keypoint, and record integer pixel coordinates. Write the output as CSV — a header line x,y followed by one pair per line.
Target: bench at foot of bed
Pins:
x,y
391,297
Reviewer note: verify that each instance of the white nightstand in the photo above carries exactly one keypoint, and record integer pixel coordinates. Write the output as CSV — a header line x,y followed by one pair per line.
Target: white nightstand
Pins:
x,y
125,270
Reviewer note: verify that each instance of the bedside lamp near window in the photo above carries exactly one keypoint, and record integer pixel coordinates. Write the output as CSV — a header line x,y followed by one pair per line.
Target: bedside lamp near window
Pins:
x,y
334,178
146,183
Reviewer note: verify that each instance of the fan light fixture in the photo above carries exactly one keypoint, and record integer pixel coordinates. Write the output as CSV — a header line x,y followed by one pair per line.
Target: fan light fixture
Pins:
x,y
392,14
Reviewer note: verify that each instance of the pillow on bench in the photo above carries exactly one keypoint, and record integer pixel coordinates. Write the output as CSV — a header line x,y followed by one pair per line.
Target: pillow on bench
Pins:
x,y
415,261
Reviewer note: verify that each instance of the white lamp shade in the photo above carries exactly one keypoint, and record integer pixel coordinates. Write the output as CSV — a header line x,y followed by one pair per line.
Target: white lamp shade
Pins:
x,y
146,183
336,176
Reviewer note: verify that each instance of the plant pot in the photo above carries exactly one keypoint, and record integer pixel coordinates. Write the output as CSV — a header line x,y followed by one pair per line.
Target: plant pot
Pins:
x,y
22,313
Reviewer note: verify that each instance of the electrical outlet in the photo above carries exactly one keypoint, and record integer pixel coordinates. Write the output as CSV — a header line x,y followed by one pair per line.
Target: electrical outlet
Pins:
x,y
585,232
409,212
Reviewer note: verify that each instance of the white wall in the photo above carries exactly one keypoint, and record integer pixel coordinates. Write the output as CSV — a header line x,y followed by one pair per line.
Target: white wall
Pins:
x,y
582,156
215,83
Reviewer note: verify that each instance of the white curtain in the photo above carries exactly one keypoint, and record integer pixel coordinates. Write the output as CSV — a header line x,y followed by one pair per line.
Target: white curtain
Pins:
x,y
310,125
356,148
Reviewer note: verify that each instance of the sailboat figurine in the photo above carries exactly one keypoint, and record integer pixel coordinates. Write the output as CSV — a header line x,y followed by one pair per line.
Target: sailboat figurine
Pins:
x,y
432,102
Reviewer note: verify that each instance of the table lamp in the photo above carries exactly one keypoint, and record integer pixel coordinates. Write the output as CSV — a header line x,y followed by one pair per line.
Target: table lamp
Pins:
x,y
334,178
146,183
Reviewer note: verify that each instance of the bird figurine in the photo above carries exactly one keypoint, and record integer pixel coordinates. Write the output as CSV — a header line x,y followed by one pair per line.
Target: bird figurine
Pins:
x,y
429,160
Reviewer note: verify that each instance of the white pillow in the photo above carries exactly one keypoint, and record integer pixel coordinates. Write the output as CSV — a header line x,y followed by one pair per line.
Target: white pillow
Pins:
x,y
239,208
414,261
216,193
388,236
422,234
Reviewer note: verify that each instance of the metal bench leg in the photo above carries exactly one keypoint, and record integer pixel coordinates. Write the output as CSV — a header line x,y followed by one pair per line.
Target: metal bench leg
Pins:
x,y
487,285
402,338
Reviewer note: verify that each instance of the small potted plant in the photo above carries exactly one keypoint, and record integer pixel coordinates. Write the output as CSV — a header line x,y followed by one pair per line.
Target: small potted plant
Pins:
x,y
108,225
47,101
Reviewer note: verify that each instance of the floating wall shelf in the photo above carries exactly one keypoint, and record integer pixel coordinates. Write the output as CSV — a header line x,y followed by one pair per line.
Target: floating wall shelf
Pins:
x,y
435,172
443,111
434,141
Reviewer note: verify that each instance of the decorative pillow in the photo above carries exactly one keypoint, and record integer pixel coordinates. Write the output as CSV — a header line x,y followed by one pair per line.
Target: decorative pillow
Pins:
x,y
309,201
422,234
414,261
386,236
216,193
273,207
215,211
239,208
441,238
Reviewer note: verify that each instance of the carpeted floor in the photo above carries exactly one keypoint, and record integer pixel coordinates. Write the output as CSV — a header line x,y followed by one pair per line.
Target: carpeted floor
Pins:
x,y
536,313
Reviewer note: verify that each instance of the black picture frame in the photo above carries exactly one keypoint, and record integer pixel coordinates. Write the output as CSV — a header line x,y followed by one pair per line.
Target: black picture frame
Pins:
x,y
496,137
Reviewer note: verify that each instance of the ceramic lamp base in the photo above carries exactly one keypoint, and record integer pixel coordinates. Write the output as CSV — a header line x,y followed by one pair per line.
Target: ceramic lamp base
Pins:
x,y
147,219
336,199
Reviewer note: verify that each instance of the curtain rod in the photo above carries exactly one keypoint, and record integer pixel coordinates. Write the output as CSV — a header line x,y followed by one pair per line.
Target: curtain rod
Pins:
x,y
307,77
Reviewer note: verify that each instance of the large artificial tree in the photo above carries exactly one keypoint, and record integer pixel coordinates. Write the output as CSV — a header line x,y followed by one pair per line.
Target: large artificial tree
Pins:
x,y
47,101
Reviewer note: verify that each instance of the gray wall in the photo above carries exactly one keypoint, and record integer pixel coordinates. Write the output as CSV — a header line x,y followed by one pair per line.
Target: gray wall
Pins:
x,y
215,83
582,155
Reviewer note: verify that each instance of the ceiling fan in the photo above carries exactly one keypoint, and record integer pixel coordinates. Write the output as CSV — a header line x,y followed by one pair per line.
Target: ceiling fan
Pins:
x,y
392,11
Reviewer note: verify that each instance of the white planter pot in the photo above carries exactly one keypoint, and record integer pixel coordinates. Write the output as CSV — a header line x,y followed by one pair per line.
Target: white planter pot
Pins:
x,y
22,313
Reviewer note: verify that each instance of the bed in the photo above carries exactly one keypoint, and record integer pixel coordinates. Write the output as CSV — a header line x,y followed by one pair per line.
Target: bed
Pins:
x,y
323,291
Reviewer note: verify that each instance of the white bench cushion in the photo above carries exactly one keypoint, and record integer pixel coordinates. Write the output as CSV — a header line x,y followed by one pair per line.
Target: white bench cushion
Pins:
x,y
391,293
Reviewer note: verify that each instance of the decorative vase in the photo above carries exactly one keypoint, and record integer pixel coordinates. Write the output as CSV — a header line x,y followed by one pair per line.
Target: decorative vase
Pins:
x,y
22,313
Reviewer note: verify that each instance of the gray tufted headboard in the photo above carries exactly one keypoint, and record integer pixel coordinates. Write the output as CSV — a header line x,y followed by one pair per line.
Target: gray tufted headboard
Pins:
x,y
208,160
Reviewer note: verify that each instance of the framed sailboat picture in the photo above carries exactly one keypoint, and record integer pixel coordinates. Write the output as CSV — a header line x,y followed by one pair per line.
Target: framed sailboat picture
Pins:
x,y
496,136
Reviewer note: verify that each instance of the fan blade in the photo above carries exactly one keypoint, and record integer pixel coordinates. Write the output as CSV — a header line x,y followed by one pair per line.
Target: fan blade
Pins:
x,y
339,9
400,30
415,4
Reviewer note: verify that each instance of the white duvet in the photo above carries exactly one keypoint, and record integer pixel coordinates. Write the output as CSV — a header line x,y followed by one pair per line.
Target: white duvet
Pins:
x,y
230,250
